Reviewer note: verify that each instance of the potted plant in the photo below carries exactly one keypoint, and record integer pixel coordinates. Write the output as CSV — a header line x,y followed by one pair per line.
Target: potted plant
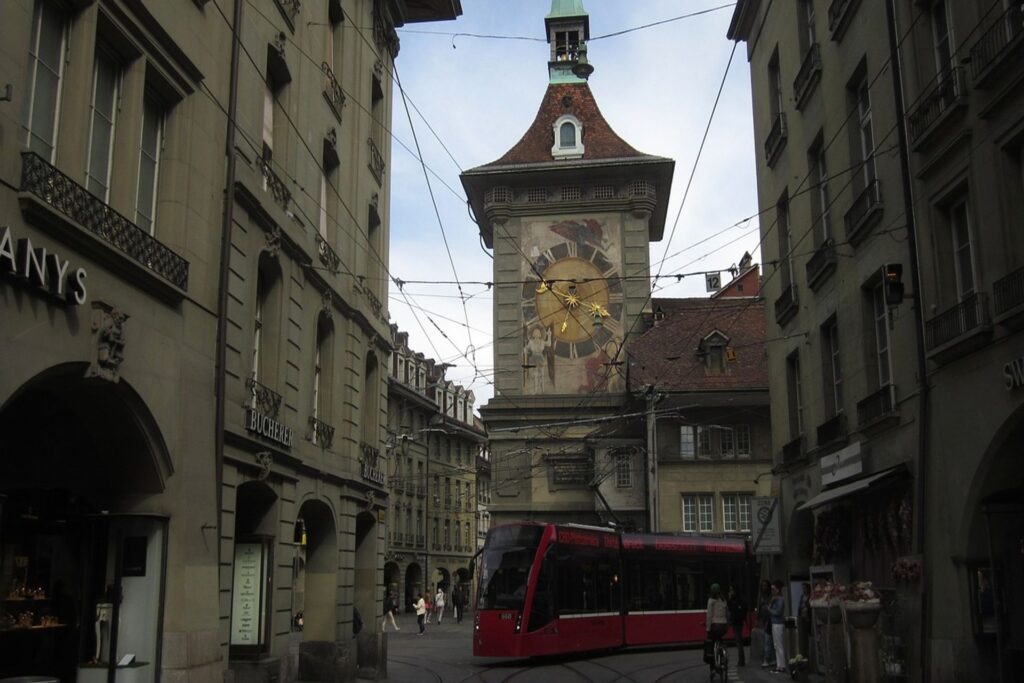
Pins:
x,y
825,599
798,668
862,604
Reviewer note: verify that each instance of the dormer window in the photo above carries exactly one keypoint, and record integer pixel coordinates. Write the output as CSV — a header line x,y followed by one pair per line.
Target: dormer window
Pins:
x,y
713,349
568,133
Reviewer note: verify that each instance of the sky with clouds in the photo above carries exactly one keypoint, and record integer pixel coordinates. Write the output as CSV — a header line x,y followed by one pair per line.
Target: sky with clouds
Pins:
x,y
472,98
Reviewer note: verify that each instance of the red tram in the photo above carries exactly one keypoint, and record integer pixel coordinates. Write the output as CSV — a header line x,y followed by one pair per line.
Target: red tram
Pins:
x,y
548,589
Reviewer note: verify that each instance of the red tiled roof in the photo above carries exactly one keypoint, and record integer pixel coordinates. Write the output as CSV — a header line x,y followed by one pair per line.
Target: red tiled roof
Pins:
x,y
599,140
666,355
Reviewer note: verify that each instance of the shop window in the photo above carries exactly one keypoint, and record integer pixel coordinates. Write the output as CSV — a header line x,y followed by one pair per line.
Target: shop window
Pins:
x,y
983,599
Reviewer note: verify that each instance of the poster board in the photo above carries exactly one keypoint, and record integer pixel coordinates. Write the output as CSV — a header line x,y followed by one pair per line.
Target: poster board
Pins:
x,y
247,594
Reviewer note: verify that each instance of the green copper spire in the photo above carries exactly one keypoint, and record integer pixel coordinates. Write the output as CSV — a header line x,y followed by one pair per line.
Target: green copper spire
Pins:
x,y
568,27
566,8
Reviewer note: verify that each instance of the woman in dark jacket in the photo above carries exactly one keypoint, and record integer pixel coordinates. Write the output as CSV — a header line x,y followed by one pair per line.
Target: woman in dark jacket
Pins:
x,y
765,617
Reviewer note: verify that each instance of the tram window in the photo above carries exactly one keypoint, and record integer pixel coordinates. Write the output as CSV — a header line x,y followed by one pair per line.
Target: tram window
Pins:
x,y
587,582
687,583
542,610
504,574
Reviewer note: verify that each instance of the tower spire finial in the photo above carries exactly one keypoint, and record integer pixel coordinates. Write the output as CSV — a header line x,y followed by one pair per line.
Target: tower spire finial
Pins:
x,y
568,29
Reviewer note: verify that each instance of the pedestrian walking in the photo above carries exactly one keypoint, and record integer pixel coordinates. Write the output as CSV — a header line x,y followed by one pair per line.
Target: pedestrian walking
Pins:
x,y
737,617
439,604
765,618
421,613
390,607
777,609
459,602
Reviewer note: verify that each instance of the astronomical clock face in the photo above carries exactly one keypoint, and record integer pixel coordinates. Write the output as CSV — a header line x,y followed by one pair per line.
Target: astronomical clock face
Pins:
x,y
572,304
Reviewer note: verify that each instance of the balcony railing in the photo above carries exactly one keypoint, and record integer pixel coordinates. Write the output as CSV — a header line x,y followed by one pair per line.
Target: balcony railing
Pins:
x,y
793,452
807,77
786,305
864,212
832,430
264,399
1008,292
332,91
877,406
327,255
821,264
375,304
970,314
943,97
320,433
60,192
839,14
776,140
272,182
376,164
1002,38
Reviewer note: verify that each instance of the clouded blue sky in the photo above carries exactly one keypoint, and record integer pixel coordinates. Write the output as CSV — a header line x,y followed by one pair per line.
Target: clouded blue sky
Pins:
x,y
655,87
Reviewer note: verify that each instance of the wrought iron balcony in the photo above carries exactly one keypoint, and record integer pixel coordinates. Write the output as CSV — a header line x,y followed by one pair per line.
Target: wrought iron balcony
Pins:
x,y
263,399
807,77
776,140
332,91
375,304
879,406
839,14
794,452
1008,295
289,10
934,105
955,329
53,188
272,182
786,305
376,164
320,433
832,431
1002,39
865,211
327,255
821,264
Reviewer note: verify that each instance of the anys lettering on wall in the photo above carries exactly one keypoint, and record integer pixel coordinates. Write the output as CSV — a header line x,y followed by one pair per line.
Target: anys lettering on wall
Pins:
x,y
1013,374
42,270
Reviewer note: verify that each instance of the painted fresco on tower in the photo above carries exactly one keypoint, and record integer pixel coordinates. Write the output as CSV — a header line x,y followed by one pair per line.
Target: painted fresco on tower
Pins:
x,y
572,304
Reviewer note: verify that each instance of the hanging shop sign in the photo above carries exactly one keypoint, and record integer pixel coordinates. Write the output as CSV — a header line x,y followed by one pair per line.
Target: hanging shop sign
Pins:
x,y
247,594
268,427
372,472
841,465
44,270
767,537
1013,374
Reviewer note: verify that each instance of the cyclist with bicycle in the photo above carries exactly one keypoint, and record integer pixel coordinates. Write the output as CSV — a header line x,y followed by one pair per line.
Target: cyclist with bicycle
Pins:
x,y
717,623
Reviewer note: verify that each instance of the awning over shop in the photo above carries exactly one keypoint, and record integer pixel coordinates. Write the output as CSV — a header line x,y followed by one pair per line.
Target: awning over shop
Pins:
x,y
844,490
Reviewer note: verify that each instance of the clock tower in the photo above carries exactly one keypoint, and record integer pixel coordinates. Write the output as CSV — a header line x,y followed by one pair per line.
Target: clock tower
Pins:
x,y
570,211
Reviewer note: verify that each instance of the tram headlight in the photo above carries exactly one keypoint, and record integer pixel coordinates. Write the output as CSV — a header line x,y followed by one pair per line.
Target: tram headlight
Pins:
x,y
519,621
476,621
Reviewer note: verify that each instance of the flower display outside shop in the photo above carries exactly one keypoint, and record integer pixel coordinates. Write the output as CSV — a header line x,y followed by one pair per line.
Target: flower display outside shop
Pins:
x,y
907,569
861,594
827,594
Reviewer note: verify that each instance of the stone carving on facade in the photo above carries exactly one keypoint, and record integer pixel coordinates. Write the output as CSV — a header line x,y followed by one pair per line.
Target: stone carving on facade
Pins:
x,y
108,323
327,303
274,242
370,500
378,68
265,459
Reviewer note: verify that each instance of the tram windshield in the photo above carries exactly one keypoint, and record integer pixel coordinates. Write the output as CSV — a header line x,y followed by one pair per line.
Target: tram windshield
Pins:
x,y
505,566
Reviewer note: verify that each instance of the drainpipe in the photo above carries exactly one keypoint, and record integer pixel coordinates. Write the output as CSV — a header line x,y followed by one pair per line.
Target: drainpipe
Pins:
x,y
922,364
220,380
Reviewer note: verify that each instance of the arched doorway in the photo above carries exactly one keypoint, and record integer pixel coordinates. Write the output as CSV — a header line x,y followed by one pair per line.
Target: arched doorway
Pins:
x,y
413,585
443,580
83,577
994,547
315,571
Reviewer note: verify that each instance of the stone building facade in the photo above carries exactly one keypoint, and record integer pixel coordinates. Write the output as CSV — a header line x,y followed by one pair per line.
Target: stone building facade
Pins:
x,y
435,443
195,345
917,108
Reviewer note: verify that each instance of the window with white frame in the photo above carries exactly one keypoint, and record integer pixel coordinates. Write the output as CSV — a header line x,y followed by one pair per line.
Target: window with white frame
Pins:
x,y
149,162
880,318
820,197
623,470
736,511
106,76
47,44
687,442
698,512
785,237
568,138
742,438
832,368
704,441
959,218
794,395
942,35
727,442
862,98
